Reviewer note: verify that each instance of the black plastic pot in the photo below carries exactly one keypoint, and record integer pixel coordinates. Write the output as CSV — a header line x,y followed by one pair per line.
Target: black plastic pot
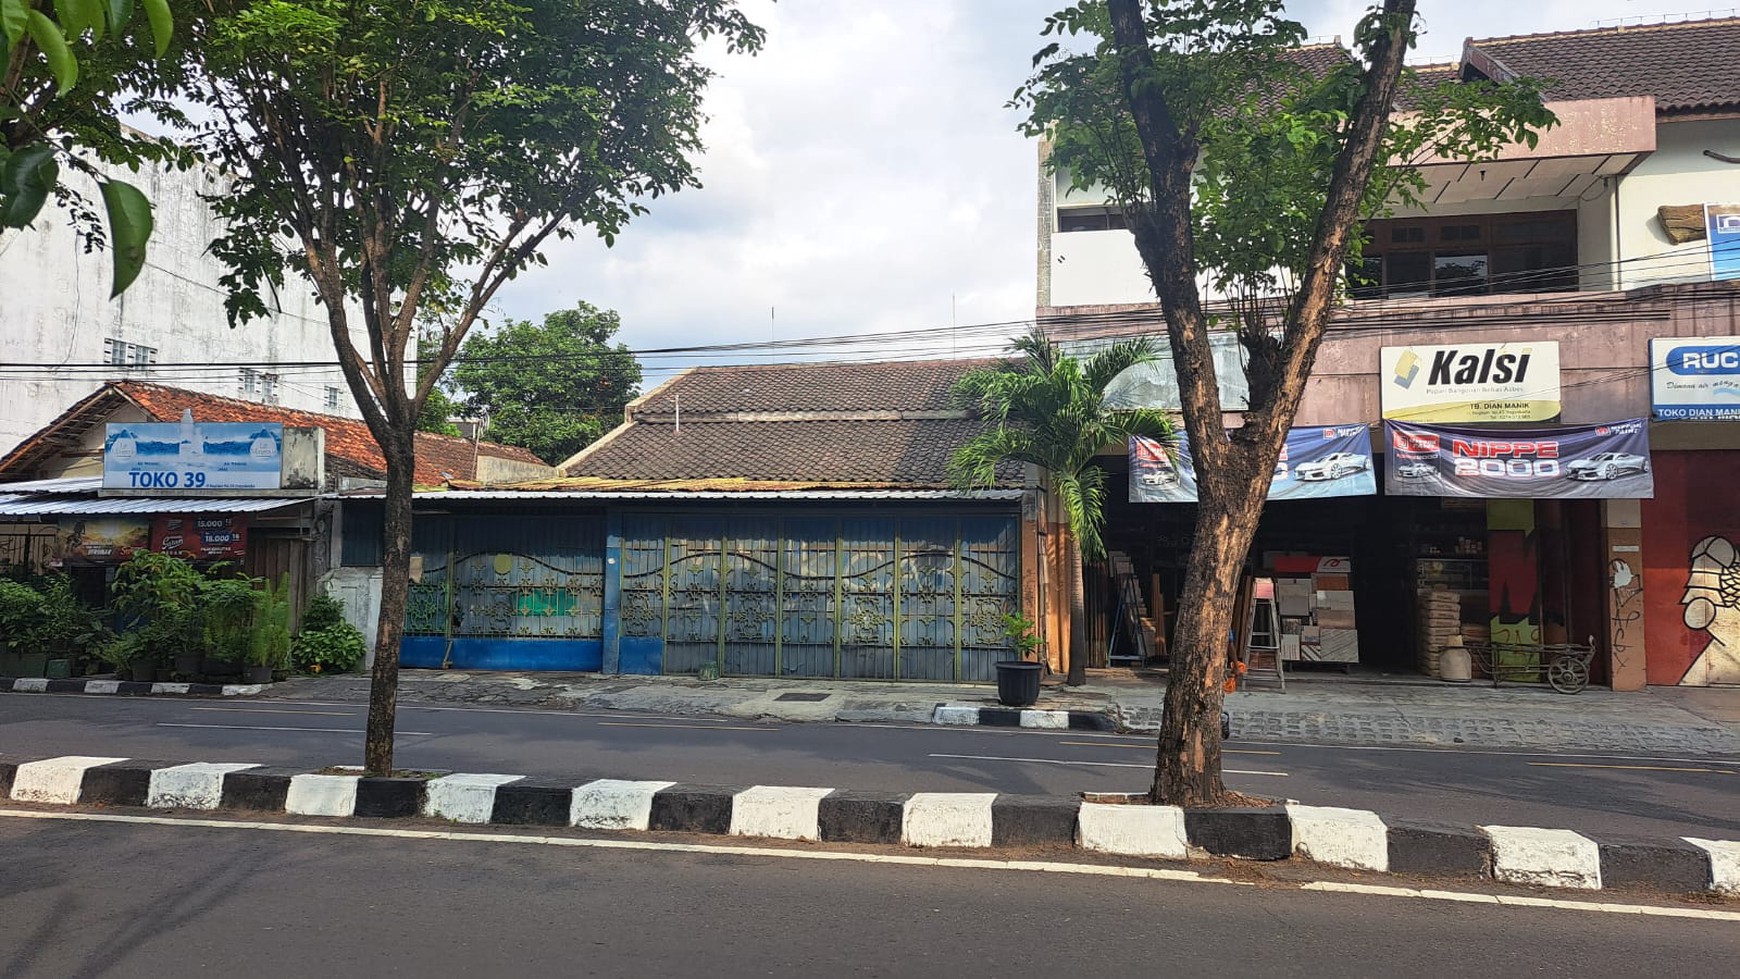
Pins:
x,y
187,664
258,674
1018,683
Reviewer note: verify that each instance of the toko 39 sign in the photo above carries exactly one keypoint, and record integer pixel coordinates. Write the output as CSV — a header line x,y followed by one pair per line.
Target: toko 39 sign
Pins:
x,y
1695,378
190,455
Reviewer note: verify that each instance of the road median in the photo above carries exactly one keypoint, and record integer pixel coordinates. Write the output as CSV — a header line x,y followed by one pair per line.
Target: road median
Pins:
x,y
1110,824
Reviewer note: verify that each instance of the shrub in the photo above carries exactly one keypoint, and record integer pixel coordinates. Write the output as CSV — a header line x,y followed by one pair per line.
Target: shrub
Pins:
x,y
338,648
227,612
21,611
68,626
160,598
269,638
323,612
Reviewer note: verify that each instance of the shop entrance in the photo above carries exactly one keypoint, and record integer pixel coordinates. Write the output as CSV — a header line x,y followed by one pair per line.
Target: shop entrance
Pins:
x,y
1526,567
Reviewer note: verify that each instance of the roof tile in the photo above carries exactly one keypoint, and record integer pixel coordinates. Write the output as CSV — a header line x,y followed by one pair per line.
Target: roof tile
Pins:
x,y
1688,66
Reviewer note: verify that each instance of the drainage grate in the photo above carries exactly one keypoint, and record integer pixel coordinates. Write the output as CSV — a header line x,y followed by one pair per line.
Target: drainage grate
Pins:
x,y
803,696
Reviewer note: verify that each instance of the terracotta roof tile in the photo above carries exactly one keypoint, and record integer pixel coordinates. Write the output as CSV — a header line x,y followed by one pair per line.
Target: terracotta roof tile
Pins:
x,y
1688,66
439,457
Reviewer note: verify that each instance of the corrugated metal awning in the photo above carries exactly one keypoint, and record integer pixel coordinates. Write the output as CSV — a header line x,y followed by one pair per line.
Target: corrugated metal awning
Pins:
x,y
64,484
457,496
19,506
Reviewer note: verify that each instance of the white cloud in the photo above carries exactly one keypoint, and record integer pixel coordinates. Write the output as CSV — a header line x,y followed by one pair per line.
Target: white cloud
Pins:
x,y
863,176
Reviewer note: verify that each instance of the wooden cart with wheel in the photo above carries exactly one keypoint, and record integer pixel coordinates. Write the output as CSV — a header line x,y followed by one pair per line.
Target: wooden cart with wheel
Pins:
x,y
1564,666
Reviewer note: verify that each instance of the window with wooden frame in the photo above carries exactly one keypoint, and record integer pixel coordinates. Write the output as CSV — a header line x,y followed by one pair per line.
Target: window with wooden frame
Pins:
x,y
1469,254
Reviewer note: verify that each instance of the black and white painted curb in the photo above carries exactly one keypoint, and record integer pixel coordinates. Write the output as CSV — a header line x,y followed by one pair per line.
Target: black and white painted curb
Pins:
x,y
26,684
1350,838
971,714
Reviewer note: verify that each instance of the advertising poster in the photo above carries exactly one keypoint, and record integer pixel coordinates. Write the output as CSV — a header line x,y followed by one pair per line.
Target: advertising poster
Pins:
x,y
200,537
1722,227
1315,463
1471,382
1562,462
190,455
1694,378
102,540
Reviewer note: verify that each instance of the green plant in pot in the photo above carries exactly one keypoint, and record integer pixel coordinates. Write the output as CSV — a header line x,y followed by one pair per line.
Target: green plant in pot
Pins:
x,y
20,618
269,639
1018,679
160,602
69,631
227,613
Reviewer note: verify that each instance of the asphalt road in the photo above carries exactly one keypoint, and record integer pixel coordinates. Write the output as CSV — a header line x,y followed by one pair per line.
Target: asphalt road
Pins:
x,y
104,899
1623,796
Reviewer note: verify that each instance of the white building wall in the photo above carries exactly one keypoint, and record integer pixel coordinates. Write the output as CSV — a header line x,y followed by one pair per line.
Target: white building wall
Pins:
x,y
57,312
1677,173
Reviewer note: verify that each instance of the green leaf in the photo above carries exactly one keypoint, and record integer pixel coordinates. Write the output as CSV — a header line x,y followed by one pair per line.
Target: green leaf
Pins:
x,y
46,34
162,24
93,15
13,14
120,12
129,230
70,14
26,179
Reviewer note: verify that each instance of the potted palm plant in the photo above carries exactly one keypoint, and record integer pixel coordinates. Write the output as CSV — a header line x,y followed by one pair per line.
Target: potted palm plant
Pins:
x,y
1018,679
20,618
269,637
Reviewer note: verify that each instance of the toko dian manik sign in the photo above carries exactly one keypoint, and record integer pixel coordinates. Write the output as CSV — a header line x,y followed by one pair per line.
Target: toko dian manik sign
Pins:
x,y
1471,382
190,455
1694,378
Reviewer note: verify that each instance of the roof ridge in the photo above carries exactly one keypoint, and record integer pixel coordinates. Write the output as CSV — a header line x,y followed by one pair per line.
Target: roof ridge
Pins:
x,y
711,368
1613,29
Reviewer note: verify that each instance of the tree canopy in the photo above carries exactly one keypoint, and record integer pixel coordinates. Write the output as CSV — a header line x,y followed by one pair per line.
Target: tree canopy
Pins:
x,y
553,387
69,70
409,156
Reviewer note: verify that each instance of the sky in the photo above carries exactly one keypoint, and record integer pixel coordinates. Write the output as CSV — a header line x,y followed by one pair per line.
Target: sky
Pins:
x,y
863,176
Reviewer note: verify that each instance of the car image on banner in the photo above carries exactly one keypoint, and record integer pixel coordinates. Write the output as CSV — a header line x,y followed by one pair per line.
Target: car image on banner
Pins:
x,y
1565,461
1333,460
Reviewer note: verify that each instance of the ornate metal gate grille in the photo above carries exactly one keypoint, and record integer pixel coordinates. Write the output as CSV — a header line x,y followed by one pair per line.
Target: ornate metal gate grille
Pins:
x,y
910,597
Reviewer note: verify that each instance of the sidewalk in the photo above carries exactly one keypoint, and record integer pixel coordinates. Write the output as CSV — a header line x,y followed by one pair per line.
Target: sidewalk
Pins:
x,y
1665,721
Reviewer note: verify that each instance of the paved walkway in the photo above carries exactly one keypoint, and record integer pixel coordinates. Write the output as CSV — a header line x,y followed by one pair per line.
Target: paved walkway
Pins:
x,y
1662,721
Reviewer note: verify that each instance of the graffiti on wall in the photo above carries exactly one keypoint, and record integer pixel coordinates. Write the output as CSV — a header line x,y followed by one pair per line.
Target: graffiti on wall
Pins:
x,y
1712,607
1627,608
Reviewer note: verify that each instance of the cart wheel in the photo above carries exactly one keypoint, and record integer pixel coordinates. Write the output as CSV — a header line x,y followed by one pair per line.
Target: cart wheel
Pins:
x,y
1568,675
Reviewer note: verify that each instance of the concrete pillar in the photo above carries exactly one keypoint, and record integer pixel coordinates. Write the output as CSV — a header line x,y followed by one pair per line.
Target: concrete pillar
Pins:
x,y
1622,542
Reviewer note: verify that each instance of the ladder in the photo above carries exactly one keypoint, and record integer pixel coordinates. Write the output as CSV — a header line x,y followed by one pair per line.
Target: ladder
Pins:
x,y
1261,649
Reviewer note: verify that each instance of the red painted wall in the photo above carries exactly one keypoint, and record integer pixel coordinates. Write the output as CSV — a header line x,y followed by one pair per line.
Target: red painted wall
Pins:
x,y
1695,499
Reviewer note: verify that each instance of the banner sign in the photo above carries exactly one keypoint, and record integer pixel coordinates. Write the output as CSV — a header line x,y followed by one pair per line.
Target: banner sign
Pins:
x,y
102,540
1722,228
1568,461
1694,378
1154,384
1471,382
1315,463
203,537
190,455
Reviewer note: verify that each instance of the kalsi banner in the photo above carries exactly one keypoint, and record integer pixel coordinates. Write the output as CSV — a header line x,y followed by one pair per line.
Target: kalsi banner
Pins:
x,y
1565,461
1471,382
1318,462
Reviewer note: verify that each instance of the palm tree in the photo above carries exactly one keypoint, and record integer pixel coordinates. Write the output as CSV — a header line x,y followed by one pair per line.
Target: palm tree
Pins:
x,y
1049,409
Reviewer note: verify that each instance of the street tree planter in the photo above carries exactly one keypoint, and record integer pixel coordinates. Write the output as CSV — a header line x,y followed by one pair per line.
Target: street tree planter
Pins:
x,y
1018,682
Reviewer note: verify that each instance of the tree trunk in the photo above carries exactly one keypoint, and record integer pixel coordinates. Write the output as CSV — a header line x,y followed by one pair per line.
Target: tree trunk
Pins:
x,y
395,592
1078,641
1187,768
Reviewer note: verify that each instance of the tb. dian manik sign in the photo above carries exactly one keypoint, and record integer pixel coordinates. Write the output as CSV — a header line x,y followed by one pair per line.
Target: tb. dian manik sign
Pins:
x,y
1695,378
1471,382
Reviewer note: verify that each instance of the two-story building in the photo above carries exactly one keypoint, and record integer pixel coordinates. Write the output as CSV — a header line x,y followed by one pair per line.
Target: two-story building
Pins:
x,y
1585,248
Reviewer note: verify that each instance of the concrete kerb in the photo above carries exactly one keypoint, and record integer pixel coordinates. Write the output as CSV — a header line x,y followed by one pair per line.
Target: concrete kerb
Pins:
x,y
130,687
1350,838
967,715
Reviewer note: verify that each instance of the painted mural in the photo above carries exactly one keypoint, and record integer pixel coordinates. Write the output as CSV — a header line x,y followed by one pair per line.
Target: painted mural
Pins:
x,y
1691,575
1712,607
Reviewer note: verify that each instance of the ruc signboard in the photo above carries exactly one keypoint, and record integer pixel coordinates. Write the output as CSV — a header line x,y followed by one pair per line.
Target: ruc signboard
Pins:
x,y
190,455
1471,382
1722,228
1316,462
1694,378
1561,462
